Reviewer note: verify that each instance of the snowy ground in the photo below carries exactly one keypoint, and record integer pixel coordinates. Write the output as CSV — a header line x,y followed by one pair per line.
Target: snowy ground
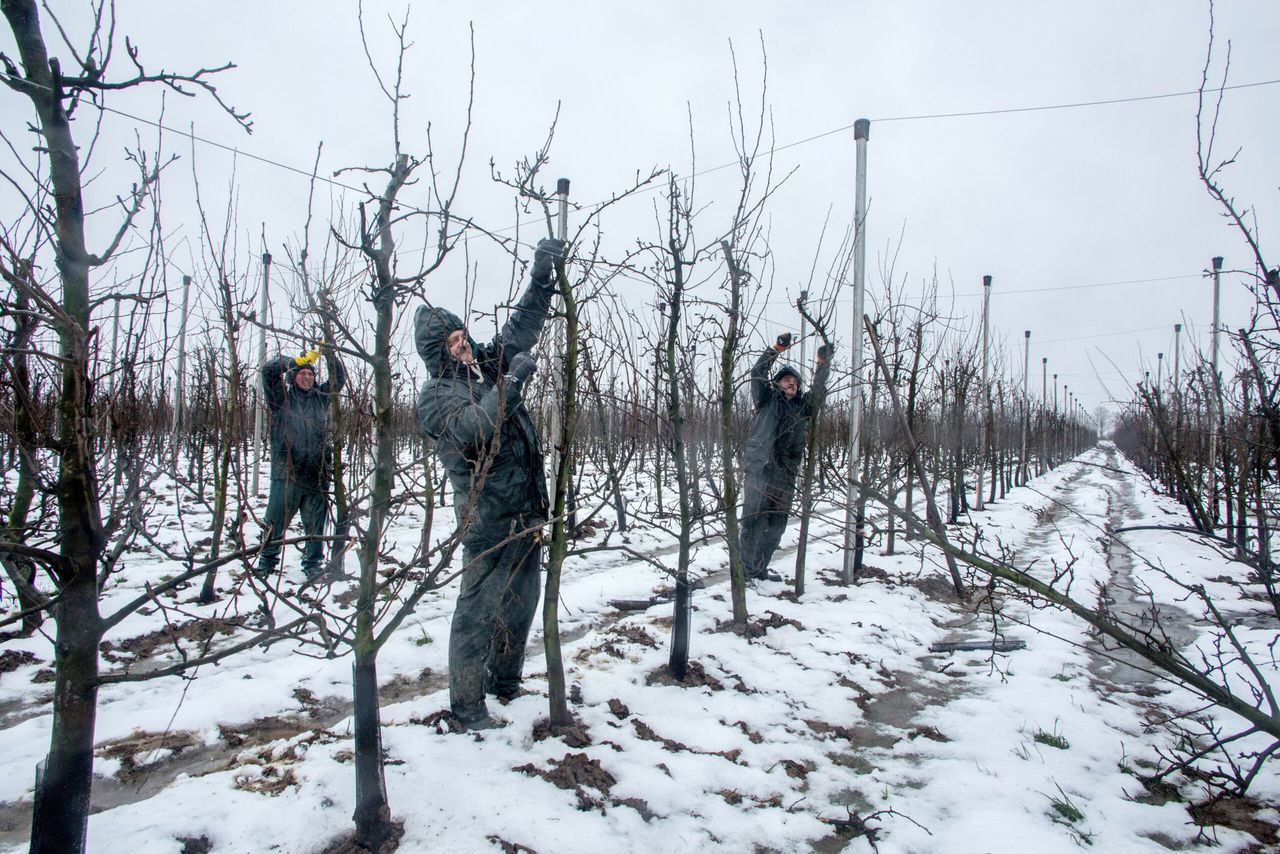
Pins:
x,y
833,713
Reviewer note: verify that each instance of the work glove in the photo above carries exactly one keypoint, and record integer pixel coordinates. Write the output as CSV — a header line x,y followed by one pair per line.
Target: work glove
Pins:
x,y
544,257
521,367
308,359
784,341
824,353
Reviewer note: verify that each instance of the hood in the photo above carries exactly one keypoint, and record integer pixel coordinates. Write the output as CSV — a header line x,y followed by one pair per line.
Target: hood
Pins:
x,y
293,372
431,327
788,371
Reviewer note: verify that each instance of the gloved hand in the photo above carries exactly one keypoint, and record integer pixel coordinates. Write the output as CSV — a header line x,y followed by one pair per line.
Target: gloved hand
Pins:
x,y
522,367
549,249
309,358
824,353
784,341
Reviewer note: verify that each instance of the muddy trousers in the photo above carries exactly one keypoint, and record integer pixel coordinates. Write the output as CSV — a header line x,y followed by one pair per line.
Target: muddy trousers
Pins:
x,y
765,508
491,623
290,496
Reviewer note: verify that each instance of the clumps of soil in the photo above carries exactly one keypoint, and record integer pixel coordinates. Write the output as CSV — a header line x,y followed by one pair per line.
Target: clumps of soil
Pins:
x,y
796,770
271,781
635,634
824,728
171,635
752,736
263,730
576,772
509,847
195,845
318,707
443,721
645,733
43,675
695,676
265,770
773,620
349,845
1237,813
935,587
587,529
615,641
928,732
734,798
1158,792
574,734
12,659
137,753
402,687
619,709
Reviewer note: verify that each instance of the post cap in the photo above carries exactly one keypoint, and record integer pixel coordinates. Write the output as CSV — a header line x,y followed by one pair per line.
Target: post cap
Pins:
x,y
986,281
1217,262
862,129
1027,334
562,187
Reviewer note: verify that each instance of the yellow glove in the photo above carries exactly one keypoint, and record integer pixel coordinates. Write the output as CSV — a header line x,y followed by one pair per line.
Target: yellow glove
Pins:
x,y
307,358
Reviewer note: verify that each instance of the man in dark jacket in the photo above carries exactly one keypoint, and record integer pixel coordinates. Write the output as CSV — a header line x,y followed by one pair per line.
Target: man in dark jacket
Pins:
x,y
774,452
301,454
472,406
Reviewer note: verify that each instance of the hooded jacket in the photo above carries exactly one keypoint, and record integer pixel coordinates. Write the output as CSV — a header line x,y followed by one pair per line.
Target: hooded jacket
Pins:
x,y
479,422
775,447
300,440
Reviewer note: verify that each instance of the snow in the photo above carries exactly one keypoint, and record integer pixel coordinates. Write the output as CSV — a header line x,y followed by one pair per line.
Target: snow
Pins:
x,y
837,709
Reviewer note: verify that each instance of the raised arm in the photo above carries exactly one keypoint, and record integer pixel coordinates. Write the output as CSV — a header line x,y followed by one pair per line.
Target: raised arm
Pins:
x,y
520,333
761,389
273,371
820,375
337,377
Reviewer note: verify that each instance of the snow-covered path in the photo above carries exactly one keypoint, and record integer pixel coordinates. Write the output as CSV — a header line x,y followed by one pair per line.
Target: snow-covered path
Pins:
x,y
834,708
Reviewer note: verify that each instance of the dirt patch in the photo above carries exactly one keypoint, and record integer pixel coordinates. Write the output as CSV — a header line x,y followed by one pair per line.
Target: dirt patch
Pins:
x,y
12,659
1237,813
619,709
272,781
796,770
195,845
935,587
442,721
262,731
695,676
171,635
772,620
824,728
403,687
615,641
509,847
139,752
349,845
574,735
646,733
928,732
576,772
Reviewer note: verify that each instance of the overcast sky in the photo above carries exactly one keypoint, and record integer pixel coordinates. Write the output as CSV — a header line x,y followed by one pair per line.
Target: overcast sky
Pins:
x,y
1037,199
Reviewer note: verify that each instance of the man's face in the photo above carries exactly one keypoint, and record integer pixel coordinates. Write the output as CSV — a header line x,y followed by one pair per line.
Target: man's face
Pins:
x,y
790,386
304,378
459,347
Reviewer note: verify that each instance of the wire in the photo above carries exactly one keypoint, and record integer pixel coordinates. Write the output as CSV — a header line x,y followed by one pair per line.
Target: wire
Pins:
x,y
999,293
921,117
